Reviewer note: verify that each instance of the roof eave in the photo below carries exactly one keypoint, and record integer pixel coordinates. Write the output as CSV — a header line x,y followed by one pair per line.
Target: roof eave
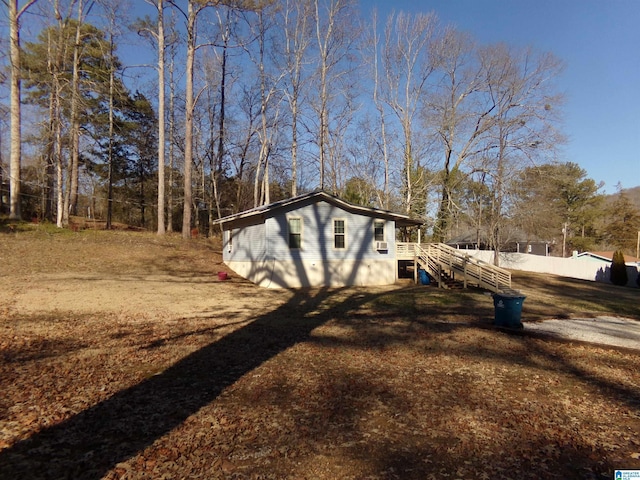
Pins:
x,y
401,220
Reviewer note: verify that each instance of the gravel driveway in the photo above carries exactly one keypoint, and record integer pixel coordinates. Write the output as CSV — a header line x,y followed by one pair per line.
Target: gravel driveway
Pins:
x,y
613,331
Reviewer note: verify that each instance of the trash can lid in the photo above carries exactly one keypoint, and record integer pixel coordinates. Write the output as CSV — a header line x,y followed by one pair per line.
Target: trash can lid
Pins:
x,y
510,294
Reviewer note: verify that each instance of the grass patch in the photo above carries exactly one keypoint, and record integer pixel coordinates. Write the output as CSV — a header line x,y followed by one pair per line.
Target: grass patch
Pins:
x,y
399,303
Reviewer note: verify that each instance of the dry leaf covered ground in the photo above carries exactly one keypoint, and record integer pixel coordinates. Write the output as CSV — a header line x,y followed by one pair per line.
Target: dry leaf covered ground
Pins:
x,y
123,356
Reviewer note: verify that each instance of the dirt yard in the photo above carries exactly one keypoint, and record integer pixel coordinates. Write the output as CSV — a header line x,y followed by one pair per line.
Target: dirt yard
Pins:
x,y
122,356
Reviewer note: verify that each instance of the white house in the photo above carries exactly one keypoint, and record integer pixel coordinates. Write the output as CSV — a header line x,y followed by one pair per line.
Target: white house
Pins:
x,y
603,261
607,257
315,239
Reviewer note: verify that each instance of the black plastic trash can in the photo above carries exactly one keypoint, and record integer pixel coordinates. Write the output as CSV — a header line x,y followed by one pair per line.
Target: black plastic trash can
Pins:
x,y
508,309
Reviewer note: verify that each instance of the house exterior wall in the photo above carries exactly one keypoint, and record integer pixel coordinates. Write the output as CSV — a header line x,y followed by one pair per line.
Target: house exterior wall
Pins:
x,y
303,273
533,248
261,253
317,235
246,242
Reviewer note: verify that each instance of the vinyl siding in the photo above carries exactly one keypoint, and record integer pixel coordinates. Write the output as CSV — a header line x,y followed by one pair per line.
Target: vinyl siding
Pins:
x,y
248,244
306,273
318,236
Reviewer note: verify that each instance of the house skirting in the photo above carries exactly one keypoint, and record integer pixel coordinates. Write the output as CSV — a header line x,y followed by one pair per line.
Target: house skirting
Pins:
x,y
306,273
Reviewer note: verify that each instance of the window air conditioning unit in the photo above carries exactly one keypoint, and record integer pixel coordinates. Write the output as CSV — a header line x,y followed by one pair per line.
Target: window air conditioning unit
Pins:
x,y
382,246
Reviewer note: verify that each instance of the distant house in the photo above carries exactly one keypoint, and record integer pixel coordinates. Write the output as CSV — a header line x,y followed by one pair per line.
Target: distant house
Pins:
x,y
315,239
604,259
473,241
607,257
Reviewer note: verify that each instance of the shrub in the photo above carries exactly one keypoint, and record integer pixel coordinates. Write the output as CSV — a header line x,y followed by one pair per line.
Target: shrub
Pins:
x,y
618,269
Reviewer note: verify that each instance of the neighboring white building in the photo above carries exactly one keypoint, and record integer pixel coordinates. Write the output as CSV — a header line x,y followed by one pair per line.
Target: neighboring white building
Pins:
x,y
607,257
314,239
594,266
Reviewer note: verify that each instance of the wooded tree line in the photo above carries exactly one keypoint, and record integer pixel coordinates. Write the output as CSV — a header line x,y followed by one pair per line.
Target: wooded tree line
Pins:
x,y
250,101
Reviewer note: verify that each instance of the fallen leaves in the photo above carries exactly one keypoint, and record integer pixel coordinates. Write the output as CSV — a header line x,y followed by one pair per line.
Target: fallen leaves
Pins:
x,y
366,392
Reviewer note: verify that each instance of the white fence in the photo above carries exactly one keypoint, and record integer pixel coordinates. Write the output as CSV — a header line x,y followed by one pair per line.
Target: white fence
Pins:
x,y
573,267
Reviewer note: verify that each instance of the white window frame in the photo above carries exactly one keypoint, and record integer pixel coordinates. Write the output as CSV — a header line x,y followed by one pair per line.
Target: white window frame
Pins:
x,y
344,234
289,233
384,233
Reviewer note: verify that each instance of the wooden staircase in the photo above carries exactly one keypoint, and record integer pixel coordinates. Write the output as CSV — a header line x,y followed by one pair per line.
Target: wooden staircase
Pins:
x,y
450,282
451,268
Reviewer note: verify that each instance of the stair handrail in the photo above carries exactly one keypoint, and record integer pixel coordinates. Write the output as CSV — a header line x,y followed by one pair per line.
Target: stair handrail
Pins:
x,y
434,255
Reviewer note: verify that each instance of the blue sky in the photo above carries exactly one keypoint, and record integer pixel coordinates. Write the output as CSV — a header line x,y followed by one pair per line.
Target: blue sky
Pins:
x,y
599,41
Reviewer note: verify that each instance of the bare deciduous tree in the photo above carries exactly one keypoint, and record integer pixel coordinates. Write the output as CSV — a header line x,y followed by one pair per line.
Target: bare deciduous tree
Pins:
x,y
374,45
269,105
459,114
157,34
335,33
520,85
408,68
296,15
71,195
15,14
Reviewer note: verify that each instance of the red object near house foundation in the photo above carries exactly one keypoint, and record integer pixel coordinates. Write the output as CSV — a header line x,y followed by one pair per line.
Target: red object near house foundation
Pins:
x,y
222,276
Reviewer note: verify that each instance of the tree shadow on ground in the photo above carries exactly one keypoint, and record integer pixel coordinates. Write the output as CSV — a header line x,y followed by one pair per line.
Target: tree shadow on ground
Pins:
x,y
538,448
550,292
95,440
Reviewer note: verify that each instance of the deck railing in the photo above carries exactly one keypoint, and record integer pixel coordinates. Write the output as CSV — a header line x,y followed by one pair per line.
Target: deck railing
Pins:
x,y
405,250
438,257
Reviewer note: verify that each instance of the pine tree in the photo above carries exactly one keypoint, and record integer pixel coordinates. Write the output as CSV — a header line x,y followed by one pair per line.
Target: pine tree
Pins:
x,y
622,224
618,269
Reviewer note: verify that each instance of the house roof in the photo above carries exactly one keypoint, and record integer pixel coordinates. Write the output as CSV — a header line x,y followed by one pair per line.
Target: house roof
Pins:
x,y
516,236
320,195
608,256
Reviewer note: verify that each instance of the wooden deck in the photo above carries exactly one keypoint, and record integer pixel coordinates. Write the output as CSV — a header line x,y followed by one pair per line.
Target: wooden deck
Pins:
x,y
442,262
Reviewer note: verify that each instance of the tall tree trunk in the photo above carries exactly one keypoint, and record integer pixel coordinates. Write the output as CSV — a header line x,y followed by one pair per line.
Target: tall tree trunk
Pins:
x,y
223,83
266,187
1,178
384,203
15,152
294,147
323,127
49,198
262,197
57,139
143,220
323,49
110,153
498,200
161,127
72,192
59,173
296,18
16,139
50,155
172,126
188,133
443,217
408,166
55,63
217,171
